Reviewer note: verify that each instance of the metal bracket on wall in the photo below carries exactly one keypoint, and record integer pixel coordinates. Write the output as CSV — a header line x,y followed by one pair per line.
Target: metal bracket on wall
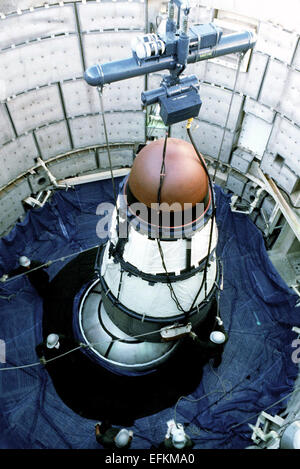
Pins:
x,y
266,430
291,217
239,206
39,200
86,178
50,175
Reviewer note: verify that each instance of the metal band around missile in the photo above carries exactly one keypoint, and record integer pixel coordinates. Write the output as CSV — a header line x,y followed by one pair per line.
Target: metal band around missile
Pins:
x,y
155,278
115,303
164,233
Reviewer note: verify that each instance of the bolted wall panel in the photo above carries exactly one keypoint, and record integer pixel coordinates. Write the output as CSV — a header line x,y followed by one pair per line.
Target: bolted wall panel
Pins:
x,y
215,106
273,84
40,62
80,98
121,127
53,139
290,101
259,110
106,15
296,59
6,129
35,108
42,22
208,138
241,160
276,42
285,141
17,157
281,90
11,206
254,135
106,47
124,95
248,82
74,165
120,157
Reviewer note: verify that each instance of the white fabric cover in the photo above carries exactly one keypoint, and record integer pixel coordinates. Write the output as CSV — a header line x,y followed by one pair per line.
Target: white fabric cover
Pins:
x,y
156,300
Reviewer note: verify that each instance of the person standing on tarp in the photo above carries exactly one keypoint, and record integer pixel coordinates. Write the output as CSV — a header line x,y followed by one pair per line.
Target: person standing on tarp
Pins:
x,y
37,276
211,349
113,437
176,439
57,344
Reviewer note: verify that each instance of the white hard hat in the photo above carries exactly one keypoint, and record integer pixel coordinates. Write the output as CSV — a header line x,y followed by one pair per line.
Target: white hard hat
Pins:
x,y
122,438
53,341
24,261
178,438
217,337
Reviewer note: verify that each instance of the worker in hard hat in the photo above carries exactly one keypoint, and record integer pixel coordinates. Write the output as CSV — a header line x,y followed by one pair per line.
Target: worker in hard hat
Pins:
x,y
213,347
113,437
37,276
46,348
210,337
56,344
176,438
52,341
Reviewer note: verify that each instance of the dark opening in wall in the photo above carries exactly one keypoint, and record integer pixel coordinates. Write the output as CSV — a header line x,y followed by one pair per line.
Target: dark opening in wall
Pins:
x,y
41,181
279,160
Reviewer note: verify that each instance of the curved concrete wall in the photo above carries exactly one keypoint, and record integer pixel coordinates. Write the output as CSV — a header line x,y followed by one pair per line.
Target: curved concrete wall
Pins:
x,y
48,111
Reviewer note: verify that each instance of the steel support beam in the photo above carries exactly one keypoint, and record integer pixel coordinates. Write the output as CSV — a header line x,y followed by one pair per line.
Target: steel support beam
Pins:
x,y
94,177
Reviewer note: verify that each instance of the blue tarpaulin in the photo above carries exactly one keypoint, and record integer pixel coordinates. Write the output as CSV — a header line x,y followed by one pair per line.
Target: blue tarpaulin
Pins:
x,y
257,307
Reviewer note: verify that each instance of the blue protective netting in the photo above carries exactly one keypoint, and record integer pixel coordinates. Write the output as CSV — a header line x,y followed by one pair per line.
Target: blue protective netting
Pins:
x,y
257,307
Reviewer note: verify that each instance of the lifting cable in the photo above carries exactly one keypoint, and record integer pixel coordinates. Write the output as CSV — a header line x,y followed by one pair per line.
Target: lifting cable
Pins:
x,y
81,345
241,55
108,153
162,176
204,278
161,181
248,419
48,263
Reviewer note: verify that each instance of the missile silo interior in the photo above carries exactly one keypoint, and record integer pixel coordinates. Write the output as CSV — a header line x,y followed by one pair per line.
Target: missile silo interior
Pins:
x,y
62,140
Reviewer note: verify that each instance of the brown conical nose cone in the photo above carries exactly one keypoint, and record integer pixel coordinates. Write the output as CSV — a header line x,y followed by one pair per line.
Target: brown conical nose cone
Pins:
x,y
185,179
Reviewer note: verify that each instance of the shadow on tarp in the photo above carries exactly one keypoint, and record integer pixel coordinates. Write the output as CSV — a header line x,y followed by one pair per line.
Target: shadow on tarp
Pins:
x,y
257,308
94,391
